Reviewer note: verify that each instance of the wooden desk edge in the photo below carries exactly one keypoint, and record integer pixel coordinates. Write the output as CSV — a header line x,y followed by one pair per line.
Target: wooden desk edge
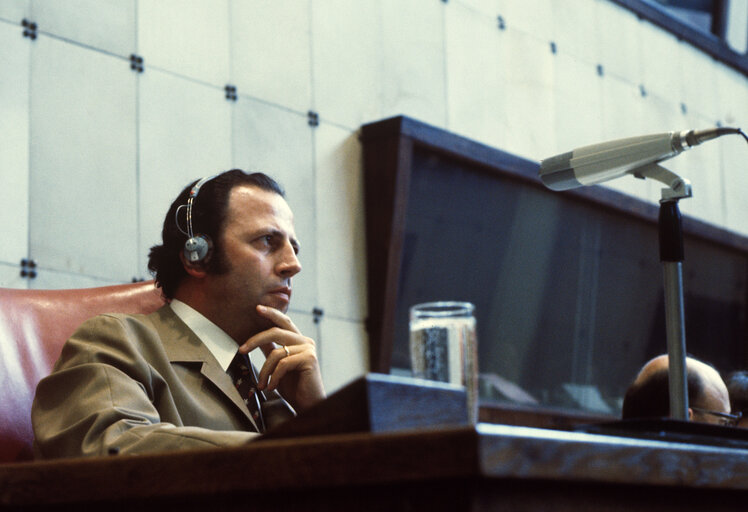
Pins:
x,y
490,453
323,461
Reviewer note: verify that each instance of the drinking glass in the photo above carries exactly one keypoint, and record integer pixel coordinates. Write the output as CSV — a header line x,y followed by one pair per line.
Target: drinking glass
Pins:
x,y
443,347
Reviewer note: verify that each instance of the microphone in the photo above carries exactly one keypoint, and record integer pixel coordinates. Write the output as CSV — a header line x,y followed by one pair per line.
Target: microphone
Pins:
x,y
596,163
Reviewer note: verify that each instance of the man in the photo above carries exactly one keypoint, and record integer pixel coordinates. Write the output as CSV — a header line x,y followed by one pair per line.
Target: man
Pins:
x,y
144,383
649,395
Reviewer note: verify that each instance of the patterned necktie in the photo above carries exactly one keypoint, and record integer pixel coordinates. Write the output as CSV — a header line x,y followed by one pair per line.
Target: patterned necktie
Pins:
x,y
243,376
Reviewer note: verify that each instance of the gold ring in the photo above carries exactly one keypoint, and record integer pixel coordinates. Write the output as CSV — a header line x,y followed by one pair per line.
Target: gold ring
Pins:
x,y
288,353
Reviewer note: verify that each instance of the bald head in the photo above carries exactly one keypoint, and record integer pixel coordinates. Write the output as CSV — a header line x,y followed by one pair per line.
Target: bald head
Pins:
x,y
649,395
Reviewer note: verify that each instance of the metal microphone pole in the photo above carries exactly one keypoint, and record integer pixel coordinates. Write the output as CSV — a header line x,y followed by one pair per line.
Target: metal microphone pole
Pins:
x,y
671,256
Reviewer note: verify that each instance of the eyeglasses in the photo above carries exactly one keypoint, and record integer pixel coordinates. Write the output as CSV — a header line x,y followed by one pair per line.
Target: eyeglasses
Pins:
x,y
728,420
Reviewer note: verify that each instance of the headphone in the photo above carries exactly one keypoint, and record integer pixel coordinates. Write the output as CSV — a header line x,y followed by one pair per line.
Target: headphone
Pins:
x,y
198,247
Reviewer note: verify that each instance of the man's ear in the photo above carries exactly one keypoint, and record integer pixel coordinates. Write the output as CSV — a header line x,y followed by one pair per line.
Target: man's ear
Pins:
x,y
690,414
193,269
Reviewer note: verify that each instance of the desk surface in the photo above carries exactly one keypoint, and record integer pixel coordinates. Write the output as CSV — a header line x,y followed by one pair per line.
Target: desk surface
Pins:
x,y
483,468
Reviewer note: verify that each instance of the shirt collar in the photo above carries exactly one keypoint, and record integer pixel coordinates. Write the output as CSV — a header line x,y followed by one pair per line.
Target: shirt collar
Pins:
x,y
221,345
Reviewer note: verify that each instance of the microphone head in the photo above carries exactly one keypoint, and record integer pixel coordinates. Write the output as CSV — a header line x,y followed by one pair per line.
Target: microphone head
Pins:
x,y
605,161
557,173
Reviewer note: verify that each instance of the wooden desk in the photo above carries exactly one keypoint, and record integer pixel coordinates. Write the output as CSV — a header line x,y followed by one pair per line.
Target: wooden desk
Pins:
x,y
491,467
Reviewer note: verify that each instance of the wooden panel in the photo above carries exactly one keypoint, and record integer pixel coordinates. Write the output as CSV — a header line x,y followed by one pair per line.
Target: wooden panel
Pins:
x,y
386,180
380,403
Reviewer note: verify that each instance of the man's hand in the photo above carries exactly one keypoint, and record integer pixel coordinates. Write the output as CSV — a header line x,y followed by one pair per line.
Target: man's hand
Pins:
x,y
291,364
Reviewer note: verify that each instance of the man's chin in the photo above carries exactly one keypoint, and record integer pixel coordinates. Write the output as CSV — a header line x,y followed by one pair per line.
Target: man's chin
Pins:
x,y
279,304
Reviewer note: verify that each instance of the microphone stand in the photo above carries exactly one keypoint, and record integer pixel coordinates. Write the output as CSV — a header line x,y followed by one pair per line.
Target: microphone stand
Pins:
x,y
671,256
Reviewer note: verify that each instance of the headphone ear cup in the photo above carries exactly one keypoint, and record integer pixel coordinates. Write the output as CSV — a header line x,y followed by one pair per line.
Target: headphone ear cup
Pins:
x,y
197,249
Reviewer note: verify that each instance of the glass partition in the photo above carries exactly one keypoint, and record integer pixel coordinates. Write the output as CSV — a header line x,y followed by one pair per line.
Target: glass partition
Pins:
x,y
568,287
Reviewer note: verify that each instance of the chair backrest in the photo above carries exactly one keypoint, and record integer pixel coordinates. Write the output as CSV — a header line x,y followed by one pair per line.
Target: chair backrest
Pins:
x,y
34,325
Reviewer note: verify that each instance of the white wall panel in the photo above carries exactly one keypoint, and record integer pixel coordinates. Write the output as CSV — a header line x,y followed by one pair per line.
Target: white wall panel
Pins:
x,y
270,51
10,276
188,38
574,21
737,25
476,55
489,8
621,101
659,113
344,355
103,24
578,102
530,111
347,78
83,193
732,94
279,143
617,36
532,17
697,85
185,134
733,152
14,148
341,233
660,62
413,76
15,10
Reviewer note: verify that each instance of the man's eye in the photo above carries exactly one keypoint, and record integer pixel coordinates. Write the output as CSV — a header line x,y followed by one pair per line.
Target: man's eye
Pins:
x,y
264,240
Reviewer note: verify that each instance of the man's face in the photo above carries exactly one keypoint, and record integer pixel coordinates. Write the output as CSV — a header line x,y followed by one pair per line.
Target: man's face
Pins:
x,y
259,247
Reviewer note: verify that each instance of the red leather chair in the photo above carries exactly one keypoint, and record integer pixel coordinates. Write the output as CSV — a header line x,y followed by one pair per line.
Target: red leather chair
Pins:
x,y
34,325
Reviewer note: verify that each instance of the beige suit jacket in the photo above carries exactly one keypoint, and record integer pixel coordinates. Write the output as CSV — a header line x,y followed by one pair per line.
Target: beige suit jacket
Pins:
x,y
133,384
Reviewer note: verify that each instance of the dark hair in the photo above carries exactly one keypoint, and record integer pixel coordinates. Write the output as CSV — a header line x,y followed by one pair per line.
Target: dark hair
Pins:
x,y
650,398
208,217
737,388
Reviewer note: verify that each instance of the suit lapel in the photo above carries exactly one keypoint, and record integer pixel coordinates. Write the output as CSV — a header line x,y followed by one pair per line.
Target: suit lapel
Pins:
x,y
182,345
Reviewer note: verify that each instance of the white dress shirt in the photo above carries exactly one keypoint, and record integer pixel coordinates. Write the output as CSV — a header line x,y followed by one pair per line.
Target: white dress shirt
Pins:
x,y
221,345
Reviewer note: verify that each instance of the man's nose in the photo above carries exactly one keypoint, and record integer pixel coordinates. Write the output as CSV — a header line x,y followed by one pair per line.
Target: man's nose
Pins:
x,y
289,264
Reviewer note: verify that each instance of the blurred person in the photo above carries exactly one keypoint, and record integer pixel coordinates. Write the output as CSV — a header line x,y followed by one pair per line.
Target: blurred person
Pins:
x,y
649,394
737,388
